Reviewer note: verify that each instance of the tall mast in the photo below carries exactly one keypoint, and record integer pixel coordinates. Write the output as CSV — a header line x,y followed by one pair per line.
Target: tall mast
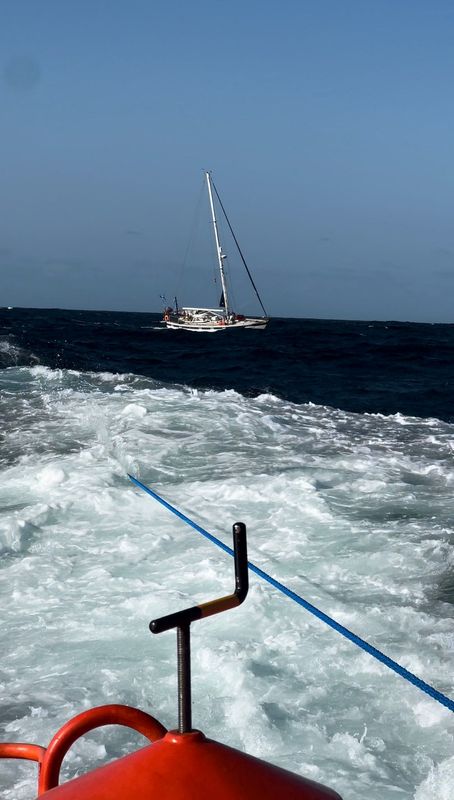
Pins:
x,y
219,252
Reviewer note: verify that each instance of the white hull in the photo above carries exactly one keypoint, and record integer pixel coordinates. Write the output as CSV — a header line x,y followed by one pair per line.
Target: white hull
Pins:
x,y
208,327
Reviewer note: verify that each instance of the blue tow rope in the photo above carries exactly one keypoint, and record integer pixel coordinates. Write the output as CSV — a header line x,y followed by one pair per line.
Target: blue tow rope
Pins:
x,y
368,648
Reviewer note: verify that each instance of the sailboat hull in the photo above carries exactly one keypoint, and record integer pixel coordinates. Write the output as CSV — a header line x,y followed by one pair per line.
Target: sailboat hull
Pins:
x,y
208,327
209,320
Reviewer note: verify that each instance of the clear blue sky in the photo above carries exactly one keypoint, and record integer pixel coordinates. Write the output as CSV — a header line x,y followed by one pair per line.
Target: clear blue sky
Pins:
x,y
328,125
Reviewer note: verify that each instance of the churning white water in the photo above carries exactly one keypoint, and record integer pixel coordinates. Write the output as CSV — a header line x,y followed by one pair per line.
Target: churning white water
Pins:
x,y
353,512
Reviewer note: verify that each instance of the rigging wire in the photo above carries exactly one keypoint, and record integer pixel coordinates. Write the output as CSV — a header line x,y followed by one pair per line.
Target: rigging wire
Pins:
x,y
238,246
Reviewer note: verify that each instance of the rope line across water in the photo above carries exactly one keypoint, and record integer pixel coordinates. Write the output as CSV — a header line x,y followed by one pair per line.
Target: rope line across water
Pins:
x,y
368,648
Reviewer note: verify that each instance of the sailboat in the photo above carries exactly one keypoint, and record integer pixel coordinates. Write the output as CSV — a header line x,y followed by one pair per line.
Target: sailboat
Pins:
x,y
223,318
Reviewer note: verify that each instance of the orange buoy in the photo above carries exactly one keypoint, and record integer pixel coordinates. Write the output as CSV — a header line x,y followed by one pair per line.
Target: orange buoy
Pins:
x,y
189,766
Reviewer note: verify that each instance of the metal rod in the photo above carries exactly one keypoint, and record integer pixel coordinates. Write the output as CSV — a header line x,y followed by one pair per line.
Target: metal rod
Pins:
x,y
184,679
219,252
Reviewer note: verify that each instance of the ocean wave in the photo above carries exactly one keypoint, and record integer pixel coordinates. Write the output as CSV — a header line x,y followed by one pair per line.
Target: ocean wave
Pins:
x,y
13,355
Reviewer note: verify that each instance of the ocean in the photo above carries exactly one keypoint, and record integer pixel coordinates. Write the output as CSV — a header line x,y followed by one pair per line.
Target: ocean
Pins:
x,y
332,440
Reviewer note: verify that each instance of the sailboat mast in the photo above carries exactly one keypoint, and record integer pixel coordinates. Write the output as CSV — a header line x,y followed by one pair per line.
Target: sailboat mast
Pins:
x,y
219,252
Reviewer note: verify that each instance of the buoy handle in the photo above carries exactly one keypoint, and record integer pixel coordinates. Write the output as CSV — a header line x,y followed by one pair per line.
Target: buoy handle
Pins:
x,y
86,721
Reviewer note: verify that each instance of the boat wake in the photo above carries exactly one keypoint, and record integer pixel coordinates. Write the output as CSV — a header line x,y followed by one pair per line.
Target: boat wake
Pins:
x,y
352,511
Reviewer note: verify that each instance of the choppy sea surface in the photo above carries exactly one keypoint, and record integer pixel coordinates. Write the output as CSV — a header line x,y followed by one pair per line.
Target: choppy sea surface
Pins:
x,y
333,442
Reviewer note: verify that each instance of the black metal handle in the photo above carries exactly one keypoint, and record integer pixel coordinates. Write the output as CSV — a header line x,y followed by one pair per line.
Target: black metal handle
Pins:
x,y
189,615
181,620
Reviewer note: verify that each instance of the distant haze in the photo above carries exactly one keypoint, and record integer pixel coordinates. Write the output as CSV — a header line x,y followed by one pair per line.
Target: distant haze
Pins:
x,y
328,127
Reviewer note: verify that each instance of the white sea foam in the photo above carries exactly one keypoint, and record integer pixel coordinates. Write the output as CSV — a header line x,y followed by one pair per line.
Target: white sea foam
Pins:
x,y
353,512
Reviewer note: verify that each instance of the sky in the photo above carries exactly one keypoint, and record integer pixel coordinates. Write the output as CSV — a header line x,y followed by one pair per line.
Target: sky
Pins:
x,y
328,126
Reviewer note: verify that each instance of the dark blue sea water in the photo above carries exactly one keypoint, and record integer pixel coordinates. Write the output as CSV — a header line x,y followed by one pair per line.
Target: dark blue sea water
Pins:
x,y
379,367
354,511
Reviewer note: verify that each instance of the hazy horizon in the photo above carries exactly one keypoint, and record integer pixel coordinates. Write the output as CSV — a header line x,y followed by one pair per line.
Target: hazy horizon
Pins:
x,y
275,317
328,127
